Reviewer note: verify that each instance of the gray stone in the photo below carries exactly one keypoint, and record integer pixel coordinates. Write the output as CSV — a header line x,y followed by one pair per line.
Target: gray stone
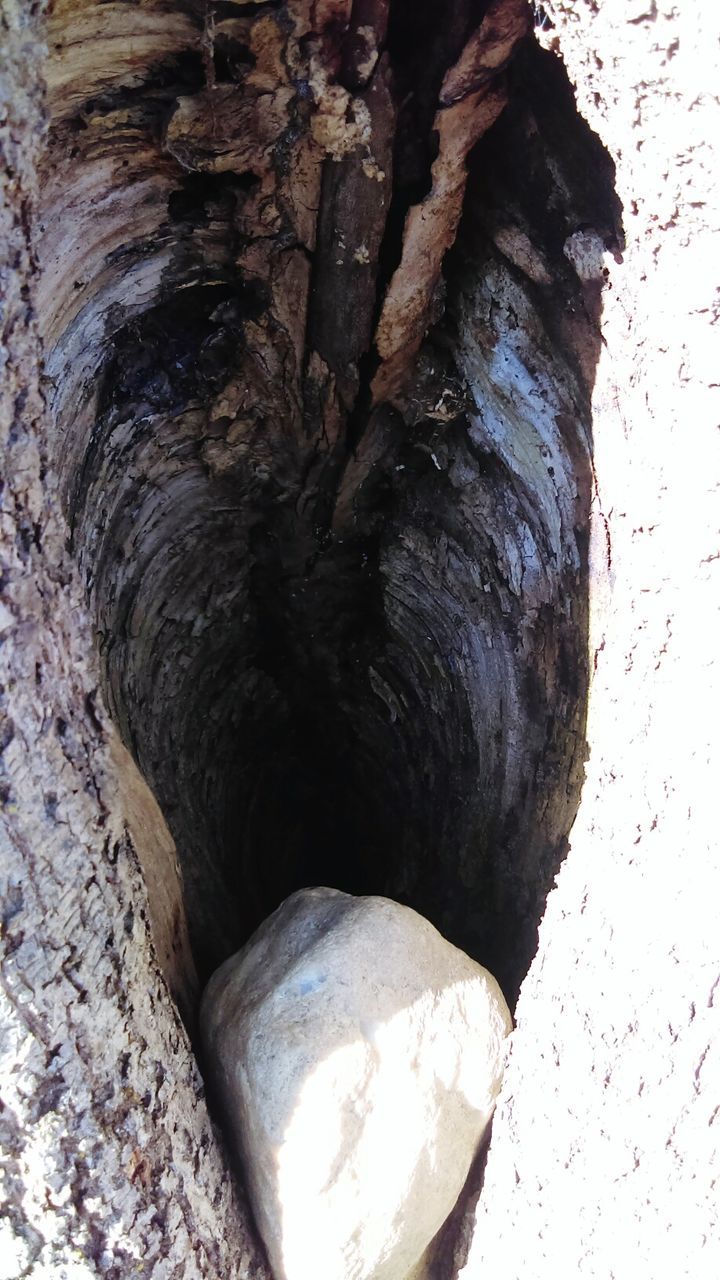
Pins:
x,y
357,1056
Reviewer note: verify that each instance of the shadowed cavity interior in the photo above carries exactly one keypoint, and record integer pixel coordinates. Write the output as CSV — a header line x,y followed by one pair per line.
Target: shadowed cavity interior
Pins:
x,y
357,661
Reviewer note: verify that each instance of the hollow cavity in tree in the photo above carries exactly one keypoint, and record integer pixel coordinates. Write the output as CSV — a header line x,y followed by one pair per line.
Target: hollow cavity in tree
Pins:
x,y
321,354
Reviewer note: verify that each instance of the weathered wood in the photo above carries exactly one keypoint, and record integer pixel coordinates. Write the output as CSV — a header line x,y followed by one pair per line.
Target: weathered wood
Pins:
x,y
216,252
109,1162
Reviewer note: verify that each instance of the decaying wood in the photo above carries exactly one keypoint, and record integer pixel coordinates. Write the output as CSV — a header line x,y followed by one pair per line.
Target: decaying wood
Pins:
x,y
216,251
470,101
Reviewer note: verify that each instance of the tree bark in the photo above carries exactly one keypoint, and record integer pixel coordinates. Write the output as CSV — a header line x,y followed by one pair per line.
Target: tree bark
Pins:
x,y
605,1150
343,475
110,1165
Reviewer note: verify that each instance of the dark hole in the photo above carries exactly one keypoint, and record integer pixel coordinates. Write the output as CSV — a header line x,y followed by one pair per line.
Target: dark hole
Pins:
x,y
232,58
202,194
393,702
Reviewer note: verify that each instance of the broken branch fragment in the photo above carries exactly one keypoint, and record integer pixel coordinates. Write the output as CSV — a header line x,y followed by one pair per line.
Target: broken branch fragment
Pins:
x,y
471,100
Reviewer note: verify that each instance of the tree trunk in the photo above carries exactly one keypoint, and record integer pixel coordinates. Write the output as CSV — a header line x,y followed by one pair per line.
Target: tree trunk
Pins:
x,y
110,1165
349,537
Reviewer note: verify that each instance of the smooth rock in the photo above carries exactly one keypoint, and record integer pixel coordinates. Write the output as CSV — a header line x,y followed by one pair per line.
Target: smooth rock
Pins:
x,y
356,1056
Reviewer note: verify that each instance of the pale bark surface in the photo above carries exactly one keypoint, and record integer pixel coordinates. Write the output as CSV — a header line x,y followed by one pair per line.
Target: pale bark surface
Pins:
x,y
605,1156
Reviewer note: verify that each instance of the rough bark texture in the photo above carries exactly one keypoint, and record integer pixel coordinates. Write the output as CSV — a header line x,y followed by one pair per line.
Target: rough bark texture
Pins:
x,y
352,570
109,1164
